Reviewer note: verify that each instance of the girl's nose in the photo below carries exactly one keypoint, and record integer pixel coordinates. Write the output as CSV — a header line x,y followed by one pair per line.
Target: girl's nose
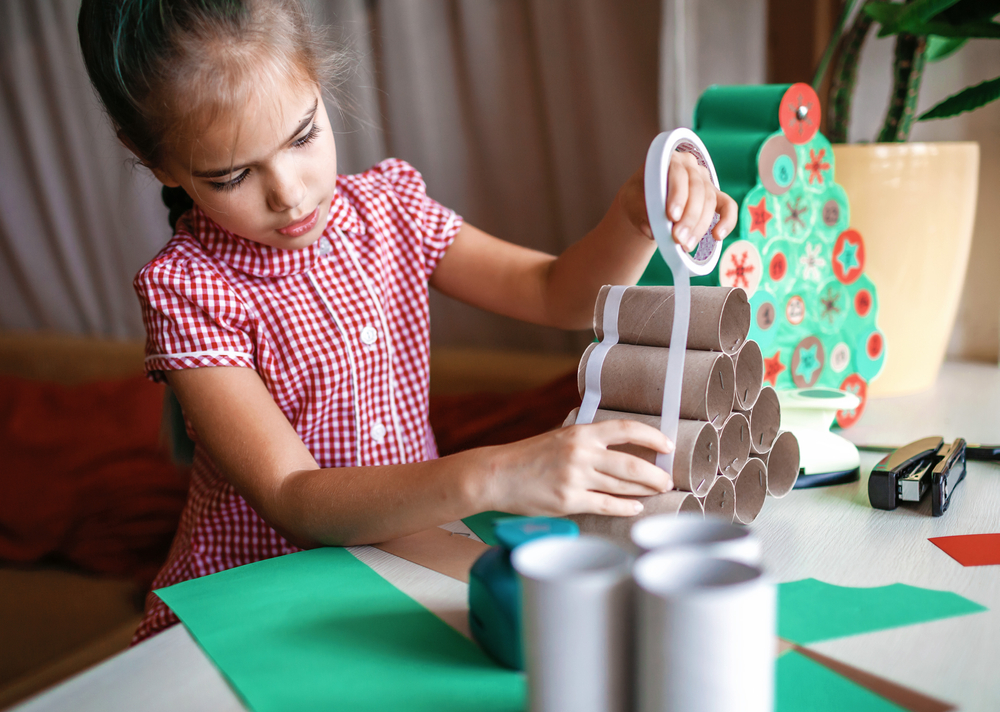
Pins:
x,y
287,191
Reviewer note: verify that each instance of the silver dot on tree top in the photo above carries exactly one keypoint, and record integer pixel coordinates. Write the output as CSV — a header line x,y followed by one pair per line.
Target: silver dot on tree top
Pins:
x,y
801,113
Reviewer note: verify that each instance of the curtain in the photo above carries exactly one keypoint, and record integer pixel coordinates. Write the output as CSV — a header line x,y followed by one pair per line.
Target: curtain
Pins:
x,y
525,116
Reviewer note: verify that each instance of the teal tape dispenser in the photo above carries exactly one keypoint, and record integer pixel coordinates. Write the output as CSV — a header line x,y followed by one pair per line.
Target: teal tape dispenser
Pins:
x,y
494,592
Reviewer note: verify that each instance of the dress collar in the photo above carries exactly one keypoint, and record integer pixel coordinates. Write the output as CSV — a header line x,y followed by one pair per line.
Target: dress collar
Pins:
x,y
262,260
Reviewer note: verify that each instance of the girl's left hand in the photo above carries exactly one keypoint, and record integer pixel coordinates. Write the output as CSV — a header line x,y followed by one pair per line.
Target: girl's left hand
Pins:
x,y
692,202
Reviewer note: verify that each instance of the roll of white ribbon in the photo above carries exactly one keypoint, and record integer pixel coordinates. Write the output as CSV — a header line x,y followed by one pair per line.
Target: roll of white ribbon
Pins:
x,y
681,263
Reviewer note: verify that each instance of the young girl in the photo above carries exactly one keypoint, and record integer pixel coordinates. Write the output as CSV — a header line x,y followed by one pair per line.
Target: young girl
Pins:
x,y
289,311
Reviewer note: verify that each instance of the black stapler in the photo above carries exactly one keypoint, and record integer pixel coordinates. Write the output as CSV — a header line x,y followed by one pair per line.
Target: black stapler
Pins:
x,y
905,474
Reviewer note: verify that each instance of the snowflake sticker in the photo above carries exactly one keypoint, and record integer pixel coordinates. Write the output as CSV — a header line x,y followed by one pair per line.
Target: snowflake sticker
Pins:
x,y
834,306
816,165
741,266
812,263
795,212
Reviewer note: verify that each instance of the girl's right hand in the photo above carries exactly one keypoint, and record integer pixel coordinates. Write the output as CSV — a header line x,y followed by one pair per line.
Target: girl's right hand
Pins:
x,y
572,471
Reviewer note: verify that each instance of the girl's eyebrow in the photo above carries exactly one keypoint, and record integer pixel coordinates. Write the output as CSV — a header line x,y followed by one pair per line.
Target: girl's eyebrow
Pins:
x,y
219,172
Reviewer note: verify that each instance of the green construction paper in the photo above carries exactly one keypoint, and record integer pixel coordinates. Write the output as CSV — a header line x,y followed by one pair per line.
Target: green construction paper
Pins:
x,y
810,611
482,525
805,685
321,630
745,107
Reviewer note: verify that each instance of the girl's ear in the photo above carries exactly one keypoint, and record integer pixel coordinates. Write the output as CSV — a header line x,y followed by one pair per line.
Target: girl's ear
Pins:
x,y
160,175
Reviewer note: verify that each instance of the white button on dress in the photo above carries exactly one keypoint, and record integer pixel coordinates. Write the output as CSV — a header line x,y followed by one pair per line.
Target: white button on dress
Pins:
x,y
378,432
325,247
369,335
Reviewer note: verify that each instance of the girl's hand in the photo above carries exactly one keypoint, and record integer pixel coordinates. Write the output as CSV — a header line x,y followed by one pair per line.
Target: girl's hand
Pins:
x,y
572,471
692,201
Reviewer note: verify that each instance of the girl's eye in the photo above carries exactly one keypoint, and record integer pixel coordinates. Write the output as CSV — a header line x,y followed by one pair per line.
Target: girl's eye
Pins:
x,y
230,184
313,133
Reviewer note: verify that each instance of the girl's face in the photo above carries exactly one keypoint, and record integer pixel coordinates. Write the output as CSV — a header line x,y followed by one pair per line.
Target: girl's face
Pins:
x,y
267,175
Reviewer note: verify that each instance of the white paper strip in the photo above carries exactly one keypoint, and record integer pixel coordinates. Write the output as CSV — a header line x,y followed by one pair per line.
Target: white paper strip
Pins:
x,y
592,396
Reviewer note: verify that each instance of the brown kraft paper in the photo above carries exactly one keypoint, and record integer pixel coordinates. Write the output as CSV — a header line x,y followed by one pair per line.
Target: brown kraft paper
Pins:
x,y
632,381
720,502
696,452
782,464
438,550
751,489
734,445
765,418
749,363
618,529
720,317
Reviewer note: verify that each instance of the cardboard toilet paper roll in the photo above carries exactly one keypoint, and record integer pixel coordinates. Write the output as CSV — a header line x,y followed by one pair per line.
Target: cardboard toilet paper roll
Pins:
x,y
696,454
632,381
705,536
782,464
618,529
749,363
765,418
720,502
751,490
720,317
734,445
576,602
705,634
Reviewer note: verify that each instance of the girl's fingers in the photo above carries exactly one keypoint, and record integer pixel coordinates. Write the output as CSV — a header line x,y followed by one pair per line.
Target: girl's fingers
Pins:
x,y
728,212
684,229
620,432
707,208
598,503
622,488
677,189
630,472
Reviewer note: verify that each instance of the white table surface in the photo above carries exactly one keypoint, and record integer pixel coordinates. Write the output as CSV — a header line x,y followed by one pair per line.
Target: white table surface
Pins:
x,y
827,533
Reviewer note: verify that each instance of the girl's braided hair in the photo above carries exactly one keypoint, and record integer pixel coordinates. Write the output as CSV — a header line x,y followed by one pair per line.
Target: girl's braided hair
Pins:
x,y
162,67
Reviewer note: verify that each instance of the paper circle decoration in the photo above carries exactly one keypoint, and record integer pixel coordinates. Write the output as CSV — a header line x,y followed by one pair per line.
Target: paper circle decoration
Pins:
x,y
799,113
777,164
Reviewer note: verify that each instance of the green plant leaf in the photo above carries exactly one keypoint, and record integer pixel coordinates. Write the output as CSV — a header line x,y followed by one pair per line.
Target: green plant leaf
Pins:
x,y
923,10
940,47
966,100
887,15
967,30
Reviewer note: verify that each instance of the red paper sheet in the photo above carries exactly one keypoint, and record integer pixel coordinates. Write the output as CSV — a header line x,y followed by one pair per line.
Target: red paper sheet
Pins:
x,y
970,549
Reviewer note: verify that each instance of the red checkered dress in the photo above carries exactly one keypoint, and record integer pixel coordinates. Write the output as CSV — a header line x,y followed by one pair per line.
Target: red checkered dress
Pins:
x,y
338,331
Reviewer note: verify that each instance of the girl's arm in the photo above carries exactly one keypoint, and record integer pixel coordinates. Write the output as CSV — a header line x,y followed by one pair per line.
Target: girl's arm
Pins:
x,y
560,291
260,454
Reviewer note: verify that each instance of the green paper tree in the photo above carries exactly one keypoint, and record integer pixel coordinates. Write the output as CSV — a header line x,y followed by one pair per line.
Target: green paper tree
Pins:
x,y
793,251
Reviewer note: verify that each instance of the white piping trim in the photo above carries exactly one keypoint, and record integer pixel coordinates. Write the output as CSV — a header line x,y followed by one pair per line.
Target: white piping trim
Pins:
x,y
199,354
397,430
354,368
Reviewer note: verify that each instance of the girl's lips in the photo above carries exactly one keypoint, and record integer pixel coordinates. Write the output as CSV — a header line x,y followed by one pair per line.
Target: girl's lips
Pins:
x,y
297,229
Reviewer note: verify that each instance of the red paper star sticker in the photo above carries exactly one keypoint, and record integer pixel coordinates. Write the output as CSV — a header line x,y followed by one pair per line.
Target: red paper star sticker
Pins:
x,y
817,164
772,367
759,217
740,270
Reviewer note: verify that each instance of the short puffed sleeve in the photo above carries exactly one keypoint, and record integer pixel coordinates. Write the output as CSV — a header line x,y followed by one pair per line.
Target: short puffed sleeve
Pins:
x,y
193,318
437,225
